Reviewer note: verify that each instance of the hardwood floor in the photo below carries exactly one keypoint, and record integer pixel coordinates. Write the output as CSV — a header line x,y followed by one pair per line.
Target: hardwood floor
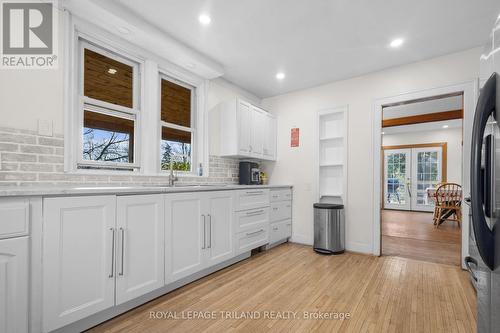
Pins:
x,y
381,294
412,235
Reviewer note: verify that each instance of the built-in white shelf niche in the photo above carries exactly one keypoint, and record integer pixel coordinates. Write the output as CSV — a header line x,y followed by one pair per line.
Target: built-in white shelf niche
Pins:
x,y
332,155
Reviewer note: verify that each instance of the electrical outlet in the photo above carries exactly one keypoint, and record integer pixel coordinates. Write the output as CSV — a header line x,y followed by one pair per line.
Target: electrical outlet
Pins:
x,y
45,127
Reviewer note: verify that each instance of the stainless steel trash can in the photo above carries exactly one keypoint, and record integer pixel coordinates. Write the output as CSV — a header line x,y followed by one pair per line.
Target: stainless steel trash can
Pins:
x,y
329,228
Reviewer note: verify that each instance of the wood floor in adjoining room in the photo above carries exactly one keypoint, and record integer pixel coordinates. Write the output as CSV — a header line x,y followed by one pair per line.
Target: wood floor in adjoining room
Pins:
x,y
381,294
413,235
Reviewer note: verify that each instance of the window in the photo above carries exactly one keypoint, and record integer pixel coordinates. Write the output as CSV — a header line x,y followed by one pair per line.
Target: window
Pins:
x,y
109,110
125,114
177,130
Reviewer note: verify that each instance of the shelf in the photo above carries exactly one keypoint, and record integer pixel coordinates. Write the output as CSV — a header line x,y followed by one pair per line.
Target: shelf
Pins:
x,y
332,194
331,164
331,138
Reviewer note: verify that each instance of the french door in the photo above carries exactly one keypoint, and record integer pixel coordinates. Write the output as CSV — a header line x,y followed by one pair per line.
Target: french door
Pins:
x,y
407,175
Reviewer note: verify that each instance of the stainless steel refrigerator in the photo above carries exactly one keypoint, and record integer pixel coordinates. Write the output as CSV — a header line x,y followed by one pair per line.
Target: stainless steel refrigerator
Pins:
x,y
483,261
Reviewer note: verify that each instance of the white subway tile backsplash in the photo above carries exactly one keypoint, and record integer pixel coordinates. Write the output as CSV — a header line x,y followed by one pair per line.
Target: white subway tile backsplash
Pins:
x,y
15,157
27,159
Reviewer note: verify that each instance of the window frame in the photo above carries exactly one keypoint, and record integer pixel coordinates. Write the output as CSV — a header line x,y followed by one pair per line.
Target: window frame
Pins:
x,y
98,106
193,119
147,156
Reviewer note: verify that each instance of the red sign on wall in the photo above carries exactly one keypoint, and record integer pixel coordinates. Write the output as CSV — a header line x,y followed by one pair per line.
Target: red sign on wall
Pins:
x,y
294,137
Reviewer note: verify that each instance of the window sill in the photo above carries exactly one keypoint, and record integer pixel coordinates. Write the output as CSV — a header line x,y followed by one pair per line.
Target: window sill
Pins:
x,y
131,173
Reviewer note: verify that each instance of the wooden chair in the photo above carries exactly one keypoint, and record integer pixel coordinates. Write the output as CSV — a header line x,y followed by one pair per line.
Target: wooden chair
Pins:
x,y
448,203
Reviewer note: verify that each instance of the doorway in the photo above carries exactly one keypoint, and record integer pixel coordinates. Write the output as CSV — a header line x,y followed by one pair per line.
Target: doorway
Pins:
x,y
419,158
409,170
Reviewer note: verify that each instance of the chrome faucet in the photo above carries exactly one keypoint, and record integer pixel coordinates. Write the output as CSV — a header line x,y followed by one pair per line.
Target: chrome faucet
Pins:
x,y
172,178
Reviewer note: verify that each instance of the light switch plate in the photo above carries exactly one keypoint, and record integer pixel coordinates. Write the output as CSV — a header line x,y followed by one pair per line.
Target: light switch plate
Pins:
x,y
45,127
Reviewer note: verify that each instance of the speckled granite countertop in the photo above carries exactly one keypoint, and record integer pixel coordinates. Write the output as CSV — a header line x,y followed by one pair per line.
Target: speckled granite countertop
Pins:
x,y
83,189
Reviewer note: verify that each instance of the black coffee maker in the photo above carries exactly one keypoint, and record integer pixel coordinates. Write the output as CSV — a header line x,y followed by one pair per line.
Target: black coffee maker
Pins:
x,y
249,173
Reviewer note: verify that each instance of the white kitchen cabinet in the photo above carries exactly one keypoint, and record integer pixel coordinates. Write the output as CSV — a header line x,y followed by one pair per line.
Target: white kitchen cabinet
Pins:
x,y
244,118
280,216
270,136
185,235
14,285
245,130
198,231
79,240
220,226
258,126
140,245
252,198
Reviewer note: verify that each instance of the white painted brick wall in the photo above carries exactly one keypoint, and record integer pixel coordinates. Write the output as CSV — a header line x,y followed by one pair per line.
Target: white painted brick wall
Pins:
x,y
27,159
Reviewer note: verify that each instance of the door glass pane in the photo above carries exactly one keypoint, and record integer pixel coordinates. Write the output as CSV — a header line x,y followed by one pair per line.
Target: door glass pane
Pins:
x,y
428,175
175,148
396,179
107,138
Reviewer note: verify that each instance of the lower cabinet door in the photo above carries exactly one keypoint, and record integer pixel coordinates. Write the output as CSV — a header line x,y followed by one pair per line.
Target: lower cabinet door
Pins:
x,y
78,258
14,285
185,235
220,226
140,246
249,240
280,231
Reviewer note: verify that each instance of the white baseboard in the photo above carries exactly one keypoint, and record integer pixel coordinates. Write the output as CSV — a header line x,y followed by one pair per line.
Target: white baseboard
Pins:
x,y
359,247
301,239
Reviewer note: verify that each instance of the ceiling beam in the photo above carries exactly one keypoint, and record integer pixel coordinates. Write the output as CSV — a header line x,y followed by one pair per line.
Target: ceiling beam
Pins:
x,y
424,118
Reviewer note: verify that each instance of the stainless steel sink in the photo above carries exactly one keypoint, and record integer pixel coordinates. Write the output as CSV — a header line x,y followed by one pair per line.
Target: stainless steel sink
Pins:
x,y
182,186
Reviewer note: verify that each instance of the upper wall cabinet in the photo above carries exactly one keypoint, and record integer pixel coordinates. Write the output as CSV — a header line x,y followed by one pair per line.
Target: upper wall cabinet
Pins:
x,y
245,130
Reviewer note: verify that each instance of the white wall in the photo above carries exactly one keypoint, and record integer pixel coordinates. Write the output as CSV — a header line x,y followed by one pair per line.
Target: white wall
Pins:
x,y
453,138
298,109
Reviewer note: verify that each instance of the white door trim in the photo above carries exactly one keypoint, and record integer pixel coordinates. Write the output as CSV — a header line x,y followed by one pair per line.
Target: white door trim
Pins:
x,y
470,92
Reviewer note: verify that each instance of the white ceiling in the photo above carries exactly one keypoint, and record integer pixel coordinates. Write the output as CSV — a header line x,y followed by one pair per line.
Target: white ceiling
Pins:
x,y
429,106
318,41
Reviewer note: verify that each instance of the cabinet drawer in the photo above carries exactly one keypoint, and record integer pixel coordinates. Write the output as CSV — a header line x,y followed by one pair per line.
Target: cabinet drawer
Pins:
x,y
281,210
14,218
251,239
281,195
254,198
250,219
280,230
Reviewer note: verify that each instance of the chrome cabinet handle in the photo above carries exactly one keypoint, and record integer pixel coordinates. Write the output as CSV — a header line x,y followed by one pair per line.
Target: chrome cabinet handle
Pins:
x,y
257,212
204,233
112,252
122,250
255,232
210,231
275,228
254,192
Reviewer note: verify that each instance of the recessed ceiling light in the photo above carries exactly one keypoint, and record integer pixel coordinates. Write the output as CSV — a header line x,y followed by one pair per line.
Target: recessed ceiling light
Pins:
x,y
397,43
445,126
280,75
112,71
204,19
383,133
